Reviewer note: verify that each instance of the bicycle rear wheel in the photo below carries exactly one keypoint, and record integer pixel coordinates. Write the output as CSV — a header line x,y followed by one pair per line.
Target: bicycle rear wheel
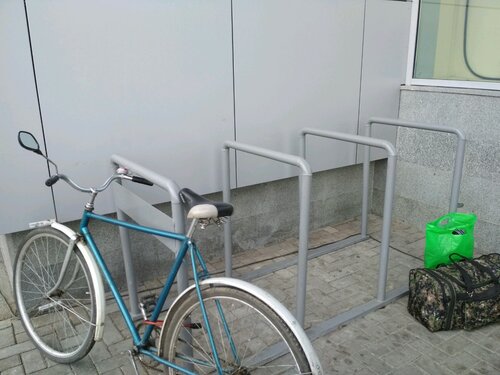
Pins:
x,y
62,324
245,330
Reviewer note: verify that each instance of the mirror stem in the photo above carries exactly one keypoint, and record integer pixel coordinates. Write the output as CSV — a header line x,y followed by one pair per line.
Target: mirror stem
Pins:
x,y
51,162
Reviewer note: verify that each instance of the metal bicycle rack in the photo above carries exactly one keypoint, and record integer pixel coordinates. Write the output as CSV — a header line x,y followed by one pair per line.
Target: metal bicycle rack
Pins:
x,y
459,154
142,212
304,254
305,177
131,205
383,297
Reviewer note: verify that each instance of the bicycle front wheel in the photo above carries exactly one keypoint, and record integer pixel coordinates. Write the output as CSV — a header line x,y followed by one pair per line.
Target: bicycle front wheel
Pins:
x,y
249,336
61,323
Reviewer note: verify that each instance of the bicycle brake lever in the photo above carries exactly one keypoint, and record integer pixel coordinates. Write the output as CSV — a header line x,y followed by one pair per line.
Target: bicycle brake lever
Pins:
x,y
141,180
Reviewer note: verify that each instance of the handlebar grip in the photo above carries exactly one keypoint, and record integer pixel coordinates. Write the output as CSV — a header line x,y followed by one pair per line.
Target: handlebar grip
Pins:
x,y
141,180
52,180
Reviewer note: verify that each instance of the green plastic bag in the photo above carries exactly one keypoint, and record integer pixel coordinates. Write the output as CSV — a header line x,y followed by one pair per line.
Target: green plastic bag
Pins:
x,y
451,233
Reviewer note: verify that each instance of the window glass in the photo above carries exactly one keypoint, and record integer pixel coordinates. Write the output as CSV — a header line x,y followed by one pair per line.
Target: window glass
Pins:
x,y
458,40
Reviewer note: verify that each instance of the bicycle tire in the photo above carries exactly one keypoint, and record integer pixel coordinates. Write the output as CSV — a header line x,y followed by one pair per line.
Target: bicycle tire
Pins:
x,y
61,326
253,325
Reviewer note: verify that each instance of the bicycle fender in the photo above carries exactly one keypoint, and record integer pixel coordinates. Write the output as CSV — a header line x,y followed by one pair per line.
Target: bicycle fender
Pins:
x,y
269,300
95,275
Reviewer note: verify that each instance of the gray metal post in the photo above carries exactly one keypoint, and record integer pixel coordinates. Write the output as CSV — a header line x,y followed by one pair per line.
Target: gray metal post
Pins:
x,y
305,192
226,197
366,187
128,263
305,182
386,227
301,283
129,267
459,155
457,174
178,218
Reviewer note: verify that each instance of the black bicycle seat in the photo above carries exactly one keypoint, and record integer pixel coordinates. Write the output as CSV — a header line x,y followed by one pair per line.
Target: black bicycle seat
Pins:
x,y
199,207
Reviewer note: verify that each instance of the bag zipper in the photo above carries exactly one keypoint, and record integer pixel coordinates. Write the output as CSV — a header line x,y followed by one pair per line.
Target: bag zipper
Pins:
x,y
451,305
494,293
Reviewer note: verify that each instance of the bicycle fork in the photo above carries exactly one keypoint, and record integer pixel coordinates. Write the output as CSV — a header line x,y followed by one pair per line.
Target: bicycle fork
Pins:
x,y
71,245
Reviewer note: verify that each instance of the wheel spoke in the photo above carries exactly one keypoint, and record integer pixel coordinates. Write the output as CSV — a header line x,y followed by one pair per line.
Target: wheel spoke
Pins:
x,y
238,319
66,308
32,268
44,269
199,348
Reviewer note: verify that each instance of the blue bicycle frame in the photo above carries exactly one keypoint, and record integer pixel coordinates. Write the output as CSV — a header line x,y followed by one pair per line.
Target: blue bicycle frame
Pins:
x,y
186,245
141,344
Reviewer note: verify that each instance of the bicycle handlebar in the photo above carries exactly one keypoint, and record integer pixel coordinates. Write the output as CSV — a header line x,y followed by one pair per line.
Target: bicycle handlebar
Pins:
x,y
53,179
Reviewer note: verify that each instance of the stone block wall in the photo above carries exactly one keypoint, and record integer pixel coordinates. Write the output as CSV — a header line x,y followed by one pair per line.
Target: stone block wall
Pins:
x,y
425,160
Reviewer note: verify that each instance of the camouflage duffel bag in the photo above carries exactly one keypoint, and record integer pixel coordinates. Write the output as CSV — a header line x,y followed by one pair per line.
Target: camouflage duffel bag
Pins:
x,y
464,294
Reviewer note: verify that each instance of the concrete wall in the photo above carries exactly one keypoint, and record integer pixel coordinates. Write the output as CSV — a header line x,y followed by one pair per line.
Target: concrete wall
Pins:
x,y
425,159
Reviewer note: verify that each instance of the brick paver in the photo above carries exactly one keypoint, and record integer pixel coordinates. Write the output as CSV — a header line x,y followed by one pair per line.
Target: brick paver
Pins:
x,y
386,341
33,361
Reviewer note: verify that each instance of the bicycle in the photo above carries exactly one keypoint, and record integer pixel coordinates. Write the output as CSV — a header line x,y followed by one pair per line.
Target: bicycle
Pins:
x,y
217,325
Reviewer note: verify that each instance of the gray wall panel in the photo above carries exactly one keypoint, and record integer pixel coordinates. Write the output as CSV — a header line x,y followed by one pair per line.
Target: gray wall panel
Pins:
x,y
150,80
297,64
384,66
23,196
153,80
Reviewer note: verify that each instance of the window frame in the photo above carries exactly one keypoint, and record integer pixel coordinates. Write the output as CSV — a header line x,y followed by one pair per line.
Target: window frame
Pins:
x,y
411,81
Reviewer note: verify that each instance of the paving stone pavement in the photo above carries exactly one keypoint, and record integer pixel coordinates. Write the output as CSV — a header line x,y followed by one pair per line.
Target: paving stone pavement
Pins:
x,y
386,341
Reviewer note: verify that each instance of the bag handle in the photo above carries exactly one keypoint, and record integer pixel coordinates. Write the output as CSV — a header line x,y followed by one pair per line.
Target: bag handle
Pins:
x,y
482,269
444,219
451,221
464,275
485,270
458,255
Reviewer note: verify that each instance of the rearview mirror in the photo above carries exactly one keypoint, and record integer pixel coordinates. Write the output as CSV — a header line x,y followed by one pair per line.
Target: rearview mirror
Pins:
x,y
29,142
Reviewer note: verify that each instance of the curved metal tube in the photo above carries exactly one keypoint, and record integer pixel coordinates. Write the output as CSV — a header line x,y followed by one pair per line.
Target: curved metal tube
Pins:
x,y
305,179
388,197
157,179
271,154
459,155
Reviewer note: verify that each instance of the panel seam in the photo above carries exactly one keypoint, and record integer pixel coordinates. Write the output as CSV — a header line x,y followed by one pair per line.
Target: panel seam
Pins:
x,y
234,96
38,101
361,79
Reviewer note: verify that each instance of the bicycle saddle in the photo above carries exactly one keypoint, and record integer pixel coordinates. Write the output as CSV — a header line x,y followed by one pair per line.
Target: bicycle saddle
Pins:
x,y
202,208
